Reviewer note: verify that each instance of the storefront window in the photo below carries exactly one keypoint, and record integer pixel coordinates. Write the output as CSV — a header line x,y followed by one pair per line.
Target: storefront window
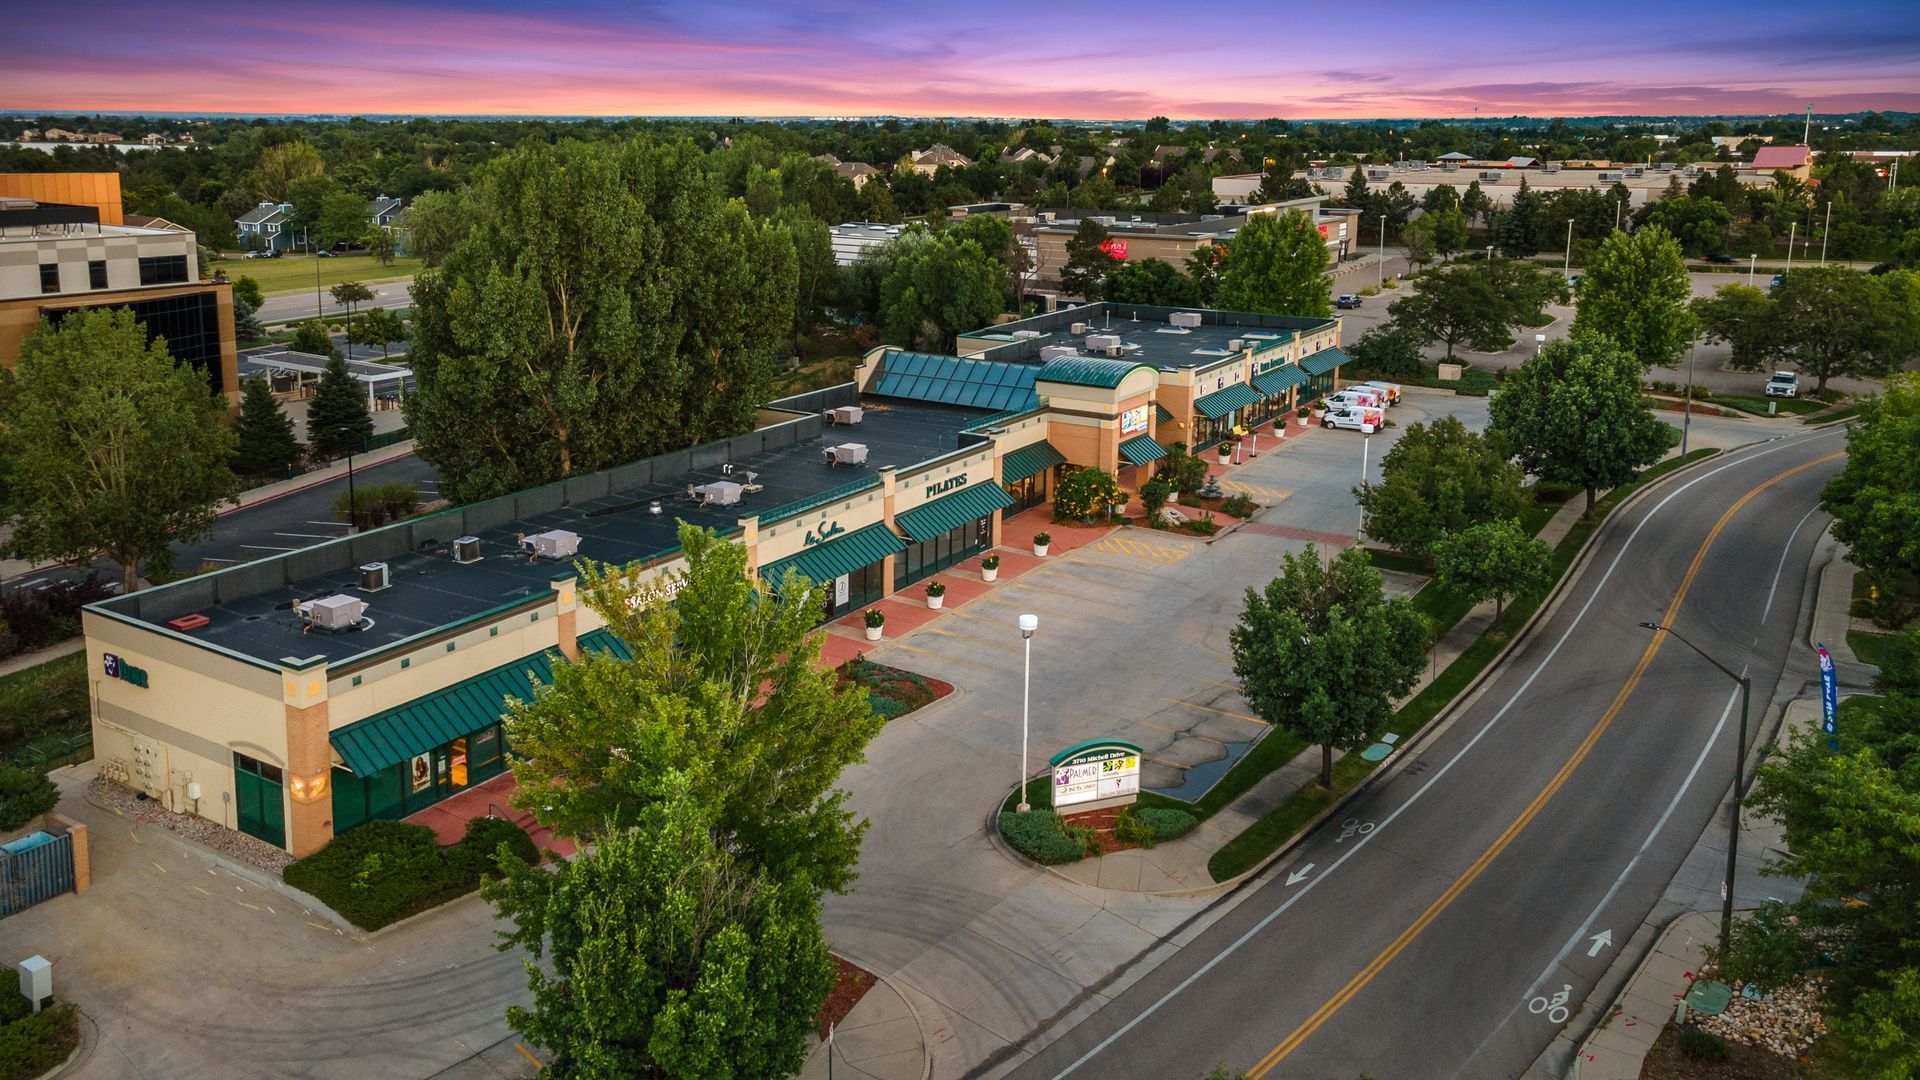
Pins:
x,y
1028,493
936,553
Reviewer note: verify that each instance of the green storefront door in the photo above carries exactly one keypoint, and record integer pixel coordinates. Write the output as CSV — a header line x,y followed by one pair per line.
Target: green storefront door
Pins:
x,y
258,807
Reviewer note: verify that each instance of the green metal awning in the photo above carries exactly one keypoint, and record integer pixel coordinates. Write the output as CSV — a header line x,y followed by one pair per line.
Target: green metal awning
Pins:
x,y
1221,402
1141,449
1275,381
952,511
1160,413
1028,460
1324,361
396,735
843,555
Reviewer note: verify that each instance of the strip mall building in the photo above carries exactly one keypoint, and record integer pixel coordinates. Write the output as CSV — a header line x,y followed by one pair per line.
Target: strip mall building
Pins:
x,y
299,695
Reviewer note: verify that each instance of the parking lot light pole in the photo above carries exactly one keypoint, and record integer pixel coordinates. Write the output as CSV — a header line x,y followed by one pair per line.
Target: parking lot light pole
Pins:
x,y
1028,624
1792,227
1380,271
1824,231
1739,782
353,507
1686,418
1752,261
1566,268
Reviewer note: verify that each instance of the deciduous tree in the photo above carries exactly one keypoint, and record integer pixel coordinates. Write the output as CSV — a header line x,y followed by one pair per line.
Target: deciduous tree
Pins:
x,y
1741,316
350,293
1636,291
1493,560
310,336
1278,265
1322,653
1875,497
380,244
1454,305
937,290
107,446
1088,263
1439,479
1832,321
1572,413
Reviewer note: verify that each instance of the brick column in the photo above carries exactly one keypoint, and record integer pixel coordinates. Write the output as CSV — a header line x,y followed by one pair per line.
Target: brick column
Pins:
x,y
82,861
566,603
308,784
889,484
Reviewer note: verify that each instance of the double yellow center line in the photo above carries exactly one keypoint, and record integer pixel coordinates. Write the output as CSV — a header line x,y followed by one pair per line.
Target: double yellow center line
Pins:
x,y
1399,944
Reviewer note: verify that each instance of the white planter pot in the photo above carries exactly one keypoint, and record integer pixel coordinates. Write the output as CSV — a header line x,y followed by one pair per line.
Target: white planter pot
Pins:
x,y
934,602
1303,420
1041,550
873,632
989,575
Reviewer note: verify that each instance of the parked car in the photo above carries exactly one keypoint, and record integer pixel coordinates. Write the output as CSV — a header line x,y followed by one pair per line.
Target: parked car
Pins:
x,y
1360,418
1347,300
1775,283
1391,389
323,254
1783,384
1358,397
1720,258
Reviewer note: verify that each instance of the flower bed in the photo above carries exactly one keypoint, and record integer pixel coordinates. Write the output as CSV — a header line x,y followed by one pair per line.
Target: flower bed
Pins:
x,y
850,983
893,691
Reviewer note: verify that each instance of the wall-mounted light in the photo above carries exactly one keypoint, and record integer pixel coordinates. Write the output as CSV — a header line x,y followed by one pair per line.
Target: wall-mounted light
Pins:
x,y
308,788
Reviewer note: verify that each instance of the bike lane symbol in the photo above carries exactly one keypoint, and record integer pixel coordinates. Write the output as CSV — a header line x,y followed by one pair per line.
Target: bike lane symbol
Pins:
x,y
1555,1007
1353,827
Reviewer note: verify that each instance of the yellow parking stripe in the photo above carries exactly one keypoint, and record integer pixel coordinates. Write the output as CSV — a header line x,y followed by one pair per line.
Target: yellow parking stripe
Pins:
x,y
1135,549
1261,490
1211,709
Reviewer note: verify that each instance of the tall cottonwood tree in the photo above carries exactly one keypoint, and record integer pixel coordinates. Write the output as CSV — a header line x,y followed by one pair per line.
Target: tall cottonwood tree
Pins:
x,y
107,446
1278,265
607,303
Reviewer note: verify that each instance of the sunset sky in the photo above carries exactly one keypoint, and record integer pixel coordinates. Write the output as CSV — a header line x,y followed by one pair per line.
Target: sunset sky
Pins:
x,y
1113,59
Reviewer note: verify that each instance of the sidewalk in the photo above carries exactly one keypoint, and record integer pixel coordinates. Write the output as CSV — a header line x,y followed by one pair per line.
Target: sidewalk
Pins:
x,y
883,1038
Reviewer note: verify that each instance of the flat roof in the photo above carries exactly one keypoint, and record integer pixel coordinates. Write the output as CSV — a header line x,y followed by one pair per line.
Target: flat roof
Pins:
x,y
1147,333
429,591
287,360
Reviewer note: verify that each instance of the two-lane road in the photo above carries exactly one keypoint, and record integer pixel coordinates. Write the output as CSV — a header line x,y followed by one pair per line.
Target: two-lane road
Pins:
x,y
1501,866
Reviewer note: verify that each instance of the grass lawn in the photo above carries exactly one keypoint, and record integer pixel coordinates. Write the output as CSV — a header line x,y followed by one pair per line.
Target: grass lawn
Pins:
x,y
43,710
1758,405
1265,836
1838,414
294,273
1870,648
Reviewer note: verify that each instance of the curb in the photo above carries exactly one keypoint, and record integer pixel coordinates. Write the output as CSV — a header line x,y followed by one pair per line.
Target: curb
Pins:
x,y
1606,1011
89,1038
919,1025
316,482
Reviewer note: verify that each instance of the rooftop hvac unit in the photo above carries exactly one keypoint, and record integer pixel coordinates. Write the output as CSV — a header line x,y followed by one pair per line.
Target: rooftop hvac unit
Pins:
x,y
1102,342
1236,344
1077,329
556,544
1048,216
1187,319
374,577
1027,334
466,549
1117,351
1054,352
333,613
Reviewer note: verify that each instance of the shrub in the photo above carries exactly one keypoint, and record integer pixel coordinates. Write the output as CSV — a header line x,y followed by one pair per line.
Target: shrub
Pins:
x,y
47,698
36,618
1240,506
1129,827
1167,822
34,1043
991,562
1043,538
24,795
384,871
936,588
1085,492
1204,526
481,846
1153,496
1082,835
1039,836
1701,1045
875,618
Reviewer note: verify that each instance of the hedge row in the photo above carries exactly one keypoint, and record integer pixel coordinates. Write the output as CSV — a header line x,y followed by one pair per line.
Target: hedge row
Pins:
x,y
384,871
32,1043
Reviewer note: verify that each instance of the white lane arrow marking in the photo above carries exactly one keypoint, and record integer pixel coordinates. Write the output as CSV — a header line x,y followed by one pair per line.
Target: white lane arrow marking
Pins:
x,y
1600,941
1300,875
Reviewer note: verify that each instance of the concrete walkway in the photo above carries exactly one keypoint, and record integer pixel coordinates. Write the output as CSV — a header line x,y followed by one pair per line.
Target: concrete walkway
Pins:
x,y
883,1038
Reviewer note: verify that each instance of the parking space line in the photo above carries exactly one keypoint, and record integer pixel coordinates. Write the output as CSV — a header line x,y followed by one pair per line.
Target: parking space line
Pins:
x,y
1211,709
1182,732
1210,682
1275,494
1003,646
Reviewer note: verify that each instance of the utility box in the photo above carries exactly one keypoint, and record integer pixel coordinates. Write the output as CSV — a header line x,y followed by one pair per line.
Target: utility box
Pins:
x,y
36,979
336,612
555,544
1449,372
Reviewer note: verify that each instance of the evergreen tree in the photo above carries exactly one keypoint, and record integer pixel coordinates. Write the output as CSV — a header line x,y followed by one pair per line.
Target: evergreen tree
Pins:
x,y
338,421
264,442
1355,195
1088,264
246,325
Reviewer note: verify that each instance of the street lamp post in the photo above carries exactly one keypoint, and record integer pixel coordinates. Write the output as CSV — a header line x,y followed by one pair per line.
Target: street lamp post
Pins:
x,y
1792,228
1380,271
1566,268
1824,230
1739,782
1686,418
1752,261
1028,624
353,504
319,306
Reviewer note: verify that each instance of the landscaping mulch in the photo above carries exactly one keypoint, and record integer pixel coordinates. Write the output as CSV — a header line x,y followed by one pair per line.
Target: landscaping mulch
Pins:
x,y
1101,822
894,691
1665,1061
235,845
850,983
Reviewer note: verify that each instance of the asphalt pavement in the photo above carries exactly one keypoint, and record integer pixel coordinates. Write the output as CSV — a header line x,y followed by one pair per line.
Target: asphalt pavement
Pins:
x,y
293,306
1431,930
297,520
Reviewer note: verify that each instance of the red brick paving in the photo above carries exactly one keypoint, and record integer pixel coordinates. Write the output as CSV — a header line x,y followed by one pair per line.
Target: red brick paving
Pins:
x,y
1016,532
448,818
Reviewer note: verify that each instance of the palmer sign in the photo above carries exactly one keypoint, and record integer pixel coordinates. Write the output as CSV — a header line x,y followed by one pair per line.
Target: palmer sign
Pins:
x,y
1102,772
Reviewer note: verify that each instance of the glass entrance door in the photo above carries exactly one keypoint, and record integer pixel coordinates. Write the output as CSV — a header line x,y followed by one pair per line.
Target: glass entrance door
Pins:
x,y
450,767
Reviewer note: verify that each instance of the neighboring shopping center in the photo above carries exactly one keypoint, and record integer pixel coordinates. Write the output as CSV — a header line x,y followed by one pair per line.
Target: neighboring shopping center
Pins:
x,y
299,695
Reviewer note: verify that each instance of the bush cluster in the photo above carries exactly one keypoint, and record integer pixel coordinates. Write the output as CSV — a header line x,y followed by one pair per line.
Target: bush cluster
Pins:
x,y
33,1043
24,795
384,871
1040,836
891,691
1167,822
1240,506
376,504
35,618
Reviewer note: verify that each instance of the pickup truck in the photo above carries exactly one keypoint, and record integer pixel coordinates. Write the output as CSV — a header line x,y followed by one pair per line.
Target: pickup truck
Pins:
x,y
1783,384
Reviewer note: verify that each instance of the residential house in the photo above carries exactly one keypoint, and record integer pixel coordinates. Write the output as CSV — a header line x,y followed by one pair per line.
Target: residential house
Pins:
x,y
929,161
1024,155
104,138
265,226
383,212
143,221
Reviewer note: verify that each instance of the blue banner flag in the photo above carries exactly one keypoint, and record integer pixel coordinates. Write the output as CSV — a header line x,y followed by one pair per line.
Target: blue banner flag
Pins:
x,y
1829,692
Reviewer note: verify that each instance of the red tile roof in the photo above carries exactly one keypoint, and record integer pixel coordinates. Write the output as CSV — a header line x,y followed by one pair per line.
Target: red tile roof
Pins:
x,y
1779,157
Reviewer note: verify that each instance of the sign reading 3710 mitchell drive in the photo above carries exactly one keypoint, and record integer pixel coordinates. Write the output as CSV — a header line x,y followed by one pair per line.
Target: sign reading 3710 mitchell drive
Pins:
x,y
1105,772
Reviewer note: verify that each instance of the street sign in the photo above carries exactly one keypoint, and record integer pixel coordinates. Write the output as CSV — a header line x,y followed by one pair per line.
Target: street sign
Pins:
x,y
1829,692
1104,771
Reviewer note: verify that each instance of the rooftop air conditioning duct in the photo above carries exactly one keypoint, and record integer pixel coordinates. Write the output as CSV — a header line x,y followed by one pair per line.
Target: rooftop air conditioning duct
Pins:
x,y
1027,333
374,577
1187,319
556,544
1055,352
1117,351
466,549
1077,329
1236,344
333,613
1103,342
